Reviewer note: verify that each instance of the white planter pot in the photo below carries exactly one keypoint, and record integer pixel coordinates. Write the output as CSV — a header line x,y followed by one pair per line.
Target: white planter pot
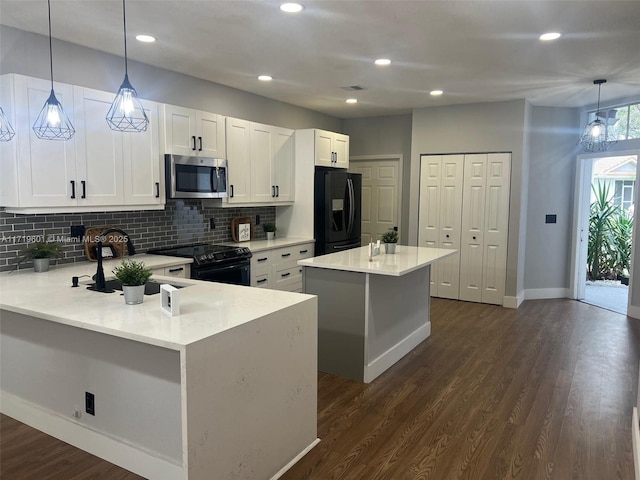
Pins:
x,y
271,235
133,295
390,247
41,264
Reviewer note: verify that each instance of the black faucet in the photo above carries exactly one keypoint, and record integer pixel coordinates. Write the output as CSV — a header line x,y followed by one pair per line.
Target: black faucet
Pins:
x,y
99,277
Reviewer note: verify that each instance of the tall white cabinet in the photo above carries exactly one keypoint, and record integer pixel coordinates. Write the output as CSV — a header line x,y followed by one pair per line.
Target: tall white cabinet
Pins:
x,y
464,204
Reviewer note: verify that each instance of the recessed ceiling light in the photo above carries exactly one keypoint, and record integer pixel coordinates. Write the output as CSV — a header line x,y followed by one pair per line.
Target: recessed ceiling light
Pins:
x,y
291,7
383,61
265,78
436,93
550,36
352,100
146,38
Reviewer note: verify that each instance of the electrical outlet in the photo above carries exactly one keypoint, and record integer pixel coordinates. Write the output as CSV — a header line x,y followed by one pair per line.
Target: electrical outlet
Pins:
x,y
77,231
89,403
212,223
257,219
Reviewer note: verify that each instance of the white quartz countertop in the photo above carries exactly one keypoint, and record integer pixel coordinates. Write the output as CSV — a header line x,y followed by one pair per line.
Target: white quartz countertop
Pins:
x,y
405,260
260,245
206,308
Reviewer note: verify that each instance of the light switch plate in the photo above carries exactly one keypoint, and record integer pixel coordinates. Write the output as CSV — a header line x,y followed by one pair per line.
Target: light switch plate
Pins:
x,y
170,298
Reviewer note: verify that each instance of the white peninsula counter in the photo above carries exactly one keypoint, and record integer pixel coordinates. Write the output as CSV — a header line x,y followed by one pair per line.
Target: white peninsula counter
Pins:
x,y
370,313
225,390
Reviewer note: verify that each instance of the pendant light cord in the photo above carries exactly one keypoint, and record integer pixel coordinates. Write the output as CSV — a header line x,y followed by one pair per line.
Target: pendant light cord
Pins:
x,y
50,45
124,21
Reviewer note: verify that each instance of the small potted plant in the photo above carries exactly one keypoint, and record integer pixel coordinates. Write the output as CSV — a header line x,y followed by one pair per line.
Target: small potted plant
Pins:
x,y
133,276
390,240
270,230
41,254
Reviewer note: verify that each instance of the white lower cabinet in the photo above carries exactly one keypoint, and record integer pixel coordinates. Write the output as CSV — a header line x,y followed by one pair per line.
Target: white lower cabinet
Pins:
x,y
278,268
96,169
177,271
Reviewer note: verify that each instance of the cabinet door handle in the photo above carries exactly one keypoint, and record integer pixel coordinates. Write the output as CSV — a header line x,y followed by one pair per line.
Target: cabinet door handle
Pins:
x,y
157,189
263,259
231,190
286,255
84,189
261,281
273,191
200,141
277,190
73,189
285,274
193,138
173,270
304,251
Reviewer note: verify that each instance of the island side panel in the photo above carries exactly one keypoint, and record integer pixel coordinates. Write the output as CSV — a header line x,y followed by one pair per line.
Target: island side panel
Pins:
x,y
47,367
251,396
398,318
341,320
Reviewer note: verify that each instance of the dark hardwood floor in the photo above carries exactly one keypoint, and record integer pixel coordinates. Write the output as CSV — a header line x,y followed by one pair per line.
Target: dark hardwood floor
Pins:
x,y
542,392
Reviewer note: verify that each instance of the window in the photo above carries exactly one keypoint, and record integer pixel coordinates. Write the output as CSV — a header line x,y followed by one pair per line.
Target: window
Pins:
x,y
624,119
623,196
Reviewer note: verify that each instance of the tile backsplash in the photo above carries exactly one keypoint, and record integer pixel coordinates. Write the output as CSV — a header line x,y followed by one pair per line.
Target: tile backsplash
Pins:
x,y
182,221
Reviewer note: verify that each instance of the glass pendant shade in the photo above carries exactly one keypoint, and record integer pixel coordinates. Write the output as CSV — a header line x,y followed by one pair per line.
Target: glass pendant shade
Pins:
x,y
6,130
597,135
52,123
127,113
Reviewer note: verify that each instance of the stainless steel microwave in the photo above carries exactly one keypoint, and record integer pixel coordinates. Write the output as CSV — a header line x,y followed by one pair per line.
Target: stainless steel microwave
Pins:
x,y
195,177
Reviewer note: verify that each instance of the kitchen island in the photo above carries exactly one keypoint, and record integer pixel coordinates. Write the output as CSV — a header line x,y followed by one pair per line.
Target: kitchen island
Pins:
x,y
370,313
225,390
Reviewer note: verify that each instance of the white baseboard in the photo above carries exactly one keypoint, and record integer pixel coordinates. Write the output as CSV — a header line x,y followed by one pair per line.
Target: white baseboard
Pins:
x,y
635,441
513,302
295,459
98,444
544,293
377,366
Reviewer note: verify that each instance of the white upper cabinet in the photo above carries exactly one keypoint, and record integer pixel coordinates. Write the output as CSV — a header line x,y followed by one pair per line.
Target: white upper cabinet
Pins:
x,y
95,170
331,149
193,132
260,161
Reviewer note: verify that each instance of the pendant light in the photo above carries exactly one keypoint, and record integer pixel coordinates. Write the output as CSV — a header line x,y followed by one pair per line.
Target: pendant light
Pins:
x,y
6,130
127,113
52,123
597,136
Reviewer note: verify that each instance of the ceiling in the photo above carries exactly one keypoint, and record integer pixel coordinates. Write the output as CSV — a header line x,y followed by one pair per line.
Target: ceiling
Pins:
x,y
476,51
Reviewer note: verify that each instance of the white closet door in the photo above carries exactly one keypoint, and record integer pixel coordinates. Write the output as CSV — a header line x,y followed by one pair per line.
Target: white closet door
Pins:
x,y
448,270
496,222
473,219
429,208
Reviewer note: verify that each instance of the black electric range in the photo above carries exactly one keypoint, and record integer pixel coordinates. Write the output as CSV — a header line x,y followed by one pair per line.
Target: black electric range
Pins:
x,y
213,263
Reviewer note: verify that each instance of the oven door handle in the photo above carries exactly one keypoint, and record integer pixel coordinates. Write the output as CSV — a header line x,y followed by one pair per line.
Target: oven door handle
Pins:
x,y
236,266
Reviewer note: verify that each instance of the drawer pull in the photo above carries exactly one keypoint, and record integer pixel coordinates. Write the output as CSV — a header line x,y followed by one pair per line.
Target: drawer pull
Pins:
x,y
303,251
261,281
173,270
286,255
263,259
285,274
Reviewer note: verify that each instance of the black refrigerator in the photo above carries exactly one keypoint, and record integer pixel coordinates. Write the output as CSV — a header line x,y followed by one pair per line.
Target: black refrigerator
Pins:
x,y
337,209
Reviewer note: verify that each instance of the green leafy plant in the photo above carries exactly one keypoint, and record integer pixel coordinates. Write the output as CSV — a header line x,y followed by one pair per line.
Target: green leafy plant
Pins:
x,y
269,227
390,236
599,248
132,273
40,250
622,230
